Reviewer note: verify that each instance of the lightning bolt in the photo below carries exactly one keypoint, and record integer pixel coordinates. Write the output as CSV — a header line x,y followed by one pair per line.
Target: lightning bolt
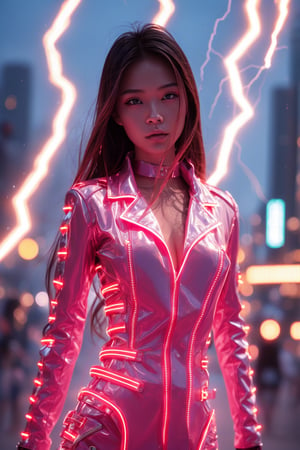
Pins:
x,y
210,42
42,161
237,91
247,111
166,10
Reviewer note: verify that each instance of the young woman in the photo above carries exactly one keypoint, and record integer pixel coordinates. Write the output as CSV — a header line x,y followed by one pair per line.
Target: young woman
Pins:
x,y
164,246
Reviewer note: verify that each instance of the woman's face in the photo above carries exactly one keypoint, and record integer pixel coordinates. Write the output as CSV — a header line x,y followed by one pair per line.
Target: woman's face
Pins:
x,y
152,108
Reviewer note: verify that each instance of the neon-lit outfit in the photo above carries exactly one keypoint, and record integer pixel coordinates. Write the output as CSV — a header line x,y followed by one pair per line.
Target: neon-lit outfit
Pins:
x,y
151,390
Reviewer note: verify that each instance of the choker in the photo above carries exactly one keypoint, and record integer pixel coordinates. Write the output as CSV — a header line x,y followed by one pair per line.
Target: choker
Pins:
x,y
150,170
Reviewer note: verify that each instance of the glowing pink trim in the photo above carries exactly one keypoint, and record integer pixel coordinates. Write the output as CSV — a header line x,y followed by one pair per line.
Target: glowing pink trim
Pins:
x,y
28,416
134,299
62,253
202,236
32,399
118,353
54,302
194,332
258,427
37,382
115,308
121,328
166,367
111,288
206,430
40,365
69,436
204,363
253,390
251,372
116,378
114,407
58,284
67,209
47,341
64,228
24,435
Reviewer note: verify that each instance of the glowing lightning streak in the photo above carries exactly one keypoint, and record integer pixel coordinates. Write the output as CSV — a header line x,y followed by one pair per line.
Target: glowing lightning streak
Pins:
x,y
210,49
39,172
166,10
236,84
282,16
237,91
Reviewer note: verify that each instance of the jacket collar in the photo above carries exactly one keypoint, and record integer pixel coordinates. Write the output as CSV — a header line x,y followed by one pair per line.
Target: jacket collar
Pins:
x,y
201,218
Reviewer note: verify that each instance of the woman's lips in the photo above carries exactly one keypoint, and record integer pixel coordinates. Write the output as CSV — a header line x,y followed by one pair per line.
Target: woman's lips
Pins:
x,y
157,135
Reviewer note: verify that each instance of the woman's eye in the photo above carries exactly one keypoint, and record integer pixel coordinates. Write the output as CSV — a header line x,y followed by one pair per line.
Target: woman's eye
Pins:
x,y
133,101
170,96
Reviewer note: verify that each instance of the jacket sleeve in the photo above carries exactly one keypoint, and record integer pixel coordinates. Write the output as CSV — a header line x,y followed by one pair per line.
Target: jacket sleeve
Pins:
x,y
62,338
231,347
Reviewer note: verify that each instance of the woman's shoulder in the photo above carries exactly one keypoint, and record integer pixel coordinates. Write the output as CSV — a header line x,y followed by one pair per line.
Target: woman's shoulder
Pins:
x,y
222,197
88,188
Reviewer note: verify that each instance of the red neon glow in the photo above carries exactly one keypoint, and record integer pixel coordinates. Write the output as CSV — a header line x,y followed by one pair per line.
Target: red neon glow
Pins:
x,y
42,161
24,435
58,284
115,377
111,288
237,89
118,353
206,429
67,209
133,296
166,361
121,328
37,382
62,253
28,416
40,364
54,303
69,435
47,341
166,10
194,333
116,308
51,318
115,408
64,229
32,399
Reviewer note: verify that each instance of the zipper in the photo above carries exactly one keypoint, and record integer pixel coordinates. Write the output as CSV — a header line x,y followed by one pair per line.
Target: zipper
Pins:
x,y
133,292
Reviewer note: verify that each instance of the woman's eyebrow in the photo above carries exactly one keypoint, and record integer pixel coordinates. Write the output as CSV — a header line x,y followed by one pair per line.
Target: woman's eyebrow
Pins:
x,y
136,91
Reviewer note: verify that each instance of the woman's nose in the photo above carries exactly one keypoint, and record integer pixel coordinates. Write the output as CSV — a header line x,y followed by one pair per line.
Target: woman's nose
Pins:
x,y
154,116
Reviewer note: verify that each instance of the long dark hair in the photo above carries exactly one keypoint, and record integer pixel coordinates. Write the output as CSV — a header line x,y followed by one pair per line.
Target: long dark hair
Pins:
x,y
108,144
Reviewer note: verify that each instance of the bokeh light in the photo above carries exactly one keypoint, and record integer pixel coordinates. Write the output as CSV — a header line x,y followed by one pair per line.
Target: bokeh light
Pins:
x,y
253,351
28,249
26,299
269,330
10,102
42,299
295,331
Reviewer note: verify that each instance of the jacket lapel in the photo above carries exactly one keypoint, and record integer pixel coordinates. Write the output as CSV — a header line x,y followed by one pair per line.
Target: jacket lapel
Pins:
x,y
201,218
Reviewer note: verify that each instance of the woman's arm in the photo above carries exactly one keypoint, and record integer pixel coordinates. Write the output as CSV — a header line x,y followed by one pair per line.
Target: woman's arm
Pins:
x,y
231,347
62,337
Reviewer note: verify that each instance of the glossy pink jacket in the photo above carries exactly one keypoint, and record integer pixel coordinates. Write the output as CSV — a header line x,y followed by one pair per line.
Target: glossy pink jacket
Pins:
x,y
153,378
